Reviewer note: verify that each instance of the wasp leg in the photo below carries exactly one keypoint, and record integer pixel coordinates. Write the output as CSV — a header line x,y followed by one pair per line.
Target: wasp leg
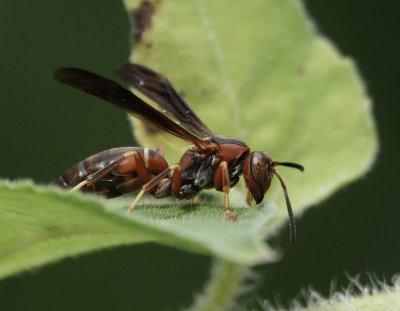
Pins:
x,y
225,189
196,198
140,168
155,181
248,198
163,190
79,186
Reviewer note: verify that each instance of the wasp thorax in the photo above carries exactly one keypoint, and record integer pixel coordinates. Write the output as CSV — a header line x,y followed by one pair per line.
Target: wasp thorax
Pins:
x,y
257,172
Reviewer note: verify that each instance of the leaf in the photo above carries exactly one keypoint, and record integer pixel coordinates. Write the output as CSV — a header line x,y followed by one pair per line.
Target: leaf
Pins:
x,y
376,302
373,297
40,225
258,72
261,73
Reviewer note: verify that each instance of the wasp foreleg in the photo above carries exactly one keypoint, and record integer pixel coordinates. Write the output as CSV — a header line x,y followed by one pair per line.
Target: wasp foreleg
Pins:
x,y
248,198
226,188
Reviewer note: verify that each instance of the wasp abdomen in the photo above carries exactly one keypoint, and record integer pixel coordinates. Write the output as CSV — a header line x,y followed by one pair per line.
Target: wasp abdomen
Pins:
x,y
83,169
121,179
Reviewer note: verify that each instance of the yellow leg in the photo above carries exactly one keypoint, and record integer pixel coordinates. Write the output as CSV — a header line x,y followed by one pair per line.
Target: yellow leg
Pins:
x,y
151,184
79,186
248,198
227,209
225,189
137,199
196,199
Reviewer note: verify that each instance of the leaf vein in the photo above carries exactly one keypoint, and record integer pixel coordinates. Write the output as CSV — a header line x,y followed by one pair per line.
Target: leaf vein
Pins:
x,y
227,84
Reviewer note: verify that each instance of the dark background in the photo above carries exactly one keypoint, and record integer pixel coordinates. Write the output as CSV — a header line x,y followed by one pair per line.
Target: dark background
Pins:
x,y
45,128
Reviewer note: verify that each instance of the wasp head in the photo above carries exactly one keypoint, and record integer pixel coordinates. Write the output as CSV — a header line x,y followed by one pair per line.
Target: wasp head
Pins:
x,y
258,171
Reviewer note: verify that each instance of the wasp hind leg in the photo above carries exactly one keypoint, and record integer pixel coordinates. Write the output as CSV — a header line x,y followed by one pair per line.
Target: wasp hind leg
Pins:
x,y
175,184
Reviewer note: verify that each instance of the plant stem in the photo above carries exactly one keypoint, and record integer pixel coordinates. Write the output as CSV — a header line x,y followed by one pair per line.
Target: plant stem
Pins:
x,y
220,290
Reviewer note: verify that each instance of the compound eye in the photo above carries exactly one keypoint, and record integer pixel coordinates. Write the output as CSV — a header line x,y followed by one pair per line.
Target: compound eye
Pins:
x,y
259,168
257,173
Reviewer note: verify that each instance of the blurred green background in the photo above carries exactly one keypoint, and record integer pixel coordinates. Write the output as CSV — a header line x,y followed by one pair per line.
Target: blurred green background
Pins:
x,y
46,127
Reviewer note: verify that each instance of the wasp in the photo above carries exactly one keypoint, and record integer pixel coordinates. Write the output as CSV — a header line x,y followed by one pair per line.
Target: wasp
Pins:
x,y
212,161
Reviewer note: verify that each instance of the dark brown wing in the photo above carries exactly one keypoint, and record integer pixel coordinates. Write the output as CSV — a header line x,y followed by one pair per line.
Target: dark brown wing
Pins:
x,y
159,89
114,93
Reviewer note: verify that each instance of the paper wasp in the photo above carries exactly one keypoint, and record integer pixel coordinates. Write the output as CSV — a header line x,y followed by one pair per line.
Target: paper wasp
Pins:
x,y
212,162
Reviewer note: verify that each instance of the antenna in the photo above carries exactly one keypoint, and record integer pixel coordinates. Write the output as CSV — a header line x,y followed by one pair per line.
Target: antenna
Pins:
x,y
292,223
289,164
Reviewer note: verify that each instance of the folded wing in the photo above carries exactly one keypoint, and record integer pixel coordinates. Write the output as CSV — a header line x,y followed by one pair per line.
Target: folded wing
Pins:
x,y
157,87
119,96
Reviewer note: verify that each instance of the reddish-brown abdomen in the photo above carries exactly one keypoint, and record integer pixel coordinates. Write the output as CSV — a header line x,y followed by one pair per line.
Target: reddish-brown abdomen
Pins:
x,y
122,179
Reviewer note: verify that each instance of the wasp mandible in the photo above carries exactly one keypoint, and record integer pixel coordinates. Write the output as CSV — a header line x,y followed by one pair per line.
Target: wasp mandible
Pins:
x,y
212,162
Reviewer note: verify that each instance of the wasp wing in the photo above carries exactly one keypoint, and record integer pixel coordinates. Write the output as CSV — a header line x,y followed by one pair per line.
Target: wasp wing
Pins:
x,y
157,87
119,96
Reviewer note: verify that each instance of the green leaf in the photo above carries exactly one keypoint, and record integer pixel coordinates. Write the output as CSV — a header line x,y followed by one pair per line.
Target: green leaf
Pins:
x,y
373,297
39,225
261,73
377,302
258,72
